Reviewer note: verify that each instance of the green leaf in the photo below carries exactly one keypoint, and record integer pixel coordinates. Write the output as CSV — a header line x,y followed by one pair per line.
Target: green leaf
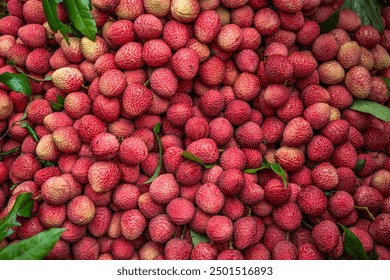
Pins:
x,y
33,248
330,23
353,246
79,12
30,130
373,256
16,82
373,108
50,8
197,237
387,82
275,167
191,157
10,151
59,105
368,11
156,131
22,207
359,165
46,163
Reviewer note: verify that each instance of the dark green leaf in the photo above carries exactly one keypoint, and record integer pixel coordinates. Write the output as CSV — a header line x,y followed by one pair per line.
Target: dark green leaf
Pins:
x,y
368,11
33,248
79,12
353,246
277,169
330,23
373,256
16,82
10,151
46,163
22,207
387,82
60,100
373,108
30,130
156,131
191,157
197,237
359,165
50,8
56,106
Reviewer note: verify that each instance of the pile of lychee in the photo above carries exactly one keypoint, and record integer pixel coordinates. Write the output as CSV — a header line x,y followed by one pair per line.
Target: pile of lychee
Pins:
x,y
235,83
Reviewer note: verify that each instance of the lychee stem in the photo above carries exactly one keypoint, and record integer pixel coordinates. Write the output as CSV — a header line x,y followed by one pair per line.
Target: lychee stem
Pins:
x,y
249,211
307,225
183,232
288,236
231,246
365,208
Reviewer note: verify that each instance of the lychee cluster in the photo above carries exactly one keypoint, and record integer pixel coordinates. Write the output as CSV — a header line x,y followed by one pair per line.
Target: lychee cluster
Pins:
x,y
234,84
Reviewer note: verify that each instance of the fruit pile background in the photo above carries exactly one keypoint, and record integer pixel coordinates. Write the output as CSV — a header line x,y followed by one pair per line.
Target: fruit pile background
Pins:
x,y
185,129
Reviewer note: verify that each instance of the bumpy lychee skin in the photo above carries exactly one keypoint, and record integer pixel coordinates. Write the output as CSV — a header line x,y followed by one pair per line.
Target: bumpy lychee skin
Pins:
x,y
180,211
67,79
331,72
177,249
156,53
133,150
284,250
67,140
207,26
206,149
211,103
209,198
336,131
325,47
112,83
246,87
92,50
275,193
136,99
290,158
38,61
229,37
349,20
86,249
266,21
33,35
341,204
249,135
381,57
278,69
369,197
349,54
380,229
319,148
287,216
358,82
104,146
380,181
212,71
308,251
164,82
24,167
219,229
325,176
345,156
164,188
185,10
132,224
56,190
161,229
303,63
367,36
185,63
204,251
80,210
103,176
297,132
147,27
325,236
129,56
312,201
